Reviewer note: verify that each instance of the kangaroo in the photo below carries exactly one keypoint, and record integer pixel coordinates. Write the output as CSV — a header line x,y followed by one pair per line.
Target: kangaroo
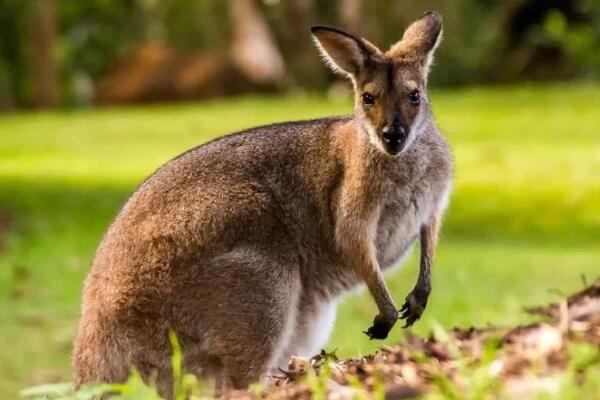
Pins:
x,y
244,245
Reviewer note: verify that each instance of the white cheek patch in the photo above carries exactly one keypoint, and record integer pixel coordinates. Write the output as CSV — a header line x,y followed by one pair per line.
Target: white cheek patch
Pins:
x,y
372,134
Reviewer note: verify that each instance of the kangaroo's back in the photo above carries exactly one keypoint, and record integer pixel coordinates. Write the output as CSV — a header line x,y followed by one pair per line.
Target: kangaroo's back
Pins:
x,y
267,175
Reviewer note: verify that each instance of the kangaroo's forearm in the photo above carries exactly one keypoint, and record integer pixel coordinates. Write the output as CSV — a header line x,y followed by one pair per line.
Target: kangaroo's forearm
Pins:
x,y
429,234
372,276
416,301
355,234
367,268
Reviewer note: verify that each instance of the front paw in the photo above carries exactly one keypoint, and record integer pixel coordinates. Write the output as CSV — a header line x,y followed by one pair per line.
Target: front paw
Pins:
x,y
414,305
382,325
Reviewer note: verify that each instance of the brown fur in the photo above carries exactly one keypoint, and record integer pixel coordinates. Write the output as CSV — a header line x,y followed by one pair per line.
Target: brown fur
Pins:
x,y
242,245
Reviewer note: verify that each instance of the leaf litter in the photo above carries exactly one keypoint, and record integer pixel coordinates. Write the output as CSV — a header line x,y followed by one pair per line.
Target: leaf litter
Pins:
x,y
518,362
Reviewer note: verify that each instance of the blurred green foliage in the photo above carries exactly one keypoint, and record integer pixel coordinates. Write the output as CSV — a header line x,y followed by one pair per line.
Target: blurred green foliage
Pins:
x,y
485,41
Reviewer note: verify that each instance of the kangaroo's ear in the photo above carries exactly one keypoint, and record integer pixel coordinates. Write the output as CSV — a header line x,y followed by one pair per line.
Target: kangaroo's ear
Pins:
x,y
420,40
342,52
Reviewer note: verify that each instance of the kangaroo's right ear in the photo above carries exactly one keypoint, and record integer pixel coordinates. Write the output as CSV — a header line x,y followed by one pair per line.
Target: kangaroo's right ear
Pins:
x,y
342,52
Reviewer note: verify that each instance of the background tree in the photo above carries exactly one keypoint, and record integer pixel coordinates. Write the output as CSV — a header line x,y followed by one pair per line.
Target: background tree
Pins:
x,y
42,62
59,51
350,14
253,48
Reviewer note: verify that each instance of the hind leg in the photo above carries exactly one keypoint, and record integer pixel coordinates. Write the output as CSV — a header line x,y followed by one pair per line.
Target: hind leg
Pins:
x,y
244,306
243,369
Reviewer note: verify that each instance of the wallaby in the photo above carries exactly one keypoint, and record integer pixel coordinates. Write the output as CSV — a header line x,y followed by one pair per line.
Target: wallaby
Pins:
x,y
244,245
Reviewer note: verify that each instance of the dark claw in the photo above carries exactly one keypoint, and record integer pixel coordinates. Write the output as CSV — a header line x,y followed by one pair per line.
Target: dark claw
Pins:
x,y
409,321
405,314
413,307
381,327
367,333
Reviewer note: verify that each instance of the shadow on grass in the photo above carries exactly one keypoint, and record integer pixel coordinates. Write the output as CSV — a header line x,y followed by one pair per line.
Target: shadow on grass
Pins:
x,y
47,210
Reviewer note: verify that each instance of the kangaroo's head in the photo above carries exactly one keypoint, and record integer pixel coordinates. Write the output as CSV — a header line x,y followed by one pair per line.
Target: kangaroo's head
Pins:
x,y
391,102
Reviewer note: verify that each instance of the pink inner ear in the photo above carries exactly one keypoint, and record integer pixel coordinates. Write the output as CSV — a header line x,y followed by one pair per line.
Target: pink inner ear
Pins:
x,y
342,51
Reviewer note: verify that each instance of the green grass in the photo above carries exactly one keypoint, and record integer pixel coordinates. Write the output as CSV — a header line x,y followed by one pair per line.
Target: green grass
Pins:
x,y
524,217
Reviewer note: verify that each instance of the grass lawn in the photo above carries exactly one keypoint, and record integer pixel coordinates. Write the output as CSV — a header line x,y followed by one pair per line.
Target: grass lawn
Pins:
x,y
524,220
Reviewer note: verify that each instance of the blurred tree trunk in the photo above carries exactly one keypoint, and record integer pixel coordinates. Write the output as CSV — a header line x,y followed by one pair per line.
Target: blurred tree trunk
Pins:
x,y
350,15
299,49
253,49
6,101
300,14
42,30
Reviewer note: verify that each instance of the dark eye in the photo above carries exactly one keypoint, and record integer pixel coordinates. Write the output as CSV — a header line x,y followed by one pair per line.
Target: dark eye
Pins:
x,y
368,99
414,97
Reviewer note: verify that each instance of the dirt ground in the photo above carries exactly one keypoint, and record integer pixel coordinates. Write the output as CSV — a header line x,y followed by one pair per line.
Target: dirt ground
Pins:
x,y
519,361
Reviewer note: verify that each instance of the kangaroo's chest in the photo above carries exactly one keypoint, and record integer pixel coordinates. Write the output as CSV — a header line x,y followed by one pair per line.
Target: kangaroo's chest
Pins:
x,y
406,208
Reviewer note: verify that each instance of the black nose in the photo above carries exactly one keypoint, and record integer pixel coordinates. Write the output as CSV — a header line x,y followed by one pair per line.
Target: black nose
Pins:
x,y
394,139
397,132
401,132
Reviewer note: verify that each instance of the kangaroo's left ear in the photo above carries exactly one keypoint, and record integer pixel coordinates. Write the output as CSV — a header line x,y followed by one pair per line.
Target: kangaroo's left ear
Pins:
x,y
342,51
420,40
